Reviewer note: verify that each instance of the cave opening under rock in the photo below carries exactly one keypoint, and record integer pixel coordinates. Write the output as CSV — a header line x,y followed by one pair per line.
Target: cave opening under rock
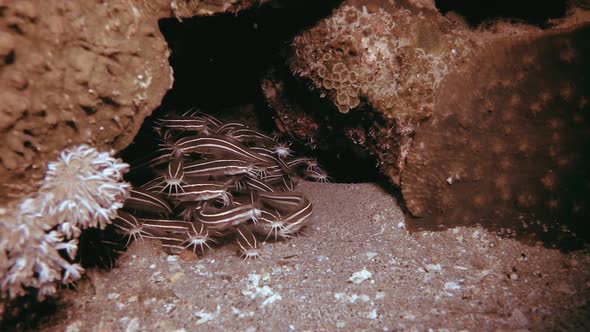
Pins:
x,y
218,64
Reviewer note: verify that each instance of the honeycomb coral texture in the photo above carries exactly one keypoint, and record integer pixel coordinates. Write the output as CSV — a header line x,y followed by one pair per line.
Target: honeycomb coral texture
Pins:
x,y
335,69
357,54
83,189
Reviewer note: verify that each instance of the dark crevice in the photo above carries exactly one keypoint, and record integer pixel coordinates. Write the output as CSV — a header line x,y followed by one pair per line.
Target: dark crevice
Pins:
x,y
88,110
219,62
344,161
72,124
29,314
9,58
41,114
16,29
528,11
109,101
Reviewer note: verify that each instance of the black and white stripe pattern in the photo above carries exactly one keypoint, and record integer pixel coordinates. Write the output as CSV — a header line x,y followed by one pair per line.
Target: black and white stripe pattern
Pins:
x,y
213,179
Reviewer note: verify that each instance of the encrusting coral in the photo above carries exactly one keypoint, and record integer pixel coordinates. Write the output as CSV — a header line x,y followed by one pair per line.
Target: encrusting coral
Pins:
x,y
383,60
474,126
83,189
108,56
210,180
509,142
385,56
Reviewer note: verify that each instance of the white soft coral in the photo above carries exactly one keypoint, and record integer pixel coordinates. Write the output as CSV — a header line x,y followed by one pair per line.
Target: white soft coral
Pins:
x,y
84,188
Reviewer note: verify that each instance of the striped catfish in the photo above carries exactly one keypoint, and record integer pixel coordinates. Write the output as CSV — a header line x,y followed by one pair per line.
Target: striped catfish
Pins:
x,y
184,123
266,153
282,201
205,190
229,127
318,175
256,184
218,167
172,233
220,146
130,226
147,202
248,243
197,235
270,222
224,218
172,180
309,163
188,210
281,180
297,219
164,227
251,136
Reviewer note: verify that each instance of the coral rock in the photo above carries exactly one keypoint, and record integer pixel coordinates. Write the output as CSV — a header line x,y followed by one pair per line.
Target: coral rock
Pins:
x,y
80,72
74,73
513,143
388,59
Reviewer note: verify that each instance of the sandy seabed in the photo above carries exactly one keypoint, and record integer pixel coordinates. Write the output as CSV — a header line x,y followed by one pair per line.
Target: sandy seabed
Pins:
x,y
356,268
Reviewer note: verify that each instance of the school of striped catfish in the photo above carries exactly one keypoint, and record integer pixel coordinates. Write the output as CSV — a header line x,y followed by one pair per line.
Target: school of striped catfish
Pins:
x,y
214,180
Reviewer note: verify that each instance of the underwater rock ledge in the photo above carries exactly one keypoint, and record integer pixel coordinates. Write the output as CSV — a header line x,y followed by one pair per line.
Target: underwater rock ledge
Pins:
x,y
474,126
76,72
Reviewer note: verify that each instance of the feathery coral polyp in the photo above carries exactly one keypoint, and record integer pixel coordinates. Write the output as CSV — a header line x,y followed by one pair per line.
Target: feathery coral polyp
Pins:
x,y
38,238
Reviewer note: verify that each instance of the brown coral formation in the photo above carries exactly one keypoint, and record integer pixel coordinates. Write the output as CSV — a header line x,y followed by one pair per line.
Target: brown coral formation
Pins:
x,y
388,59
510,140
80,72
474,126
188,8
74,72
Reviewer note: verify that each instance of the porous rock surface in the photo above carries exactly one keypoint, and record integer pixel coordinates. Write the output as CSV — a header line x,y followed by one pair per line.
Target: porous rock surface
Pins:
x,y
386,59
508,141
80,72
471,124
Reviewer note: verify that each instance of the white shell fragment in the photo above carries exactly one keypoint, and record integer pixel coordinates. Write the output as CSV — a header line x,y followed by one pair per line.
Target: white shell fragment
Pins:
x,y
360,276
